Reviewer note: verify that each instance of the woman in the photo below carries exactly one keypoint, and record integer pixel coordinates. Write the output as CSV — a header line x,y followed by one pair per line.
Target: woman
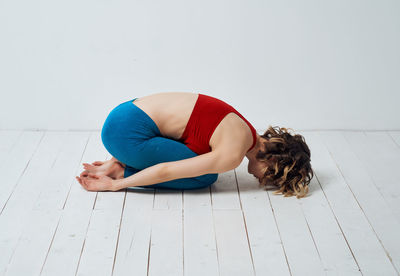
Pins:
x,y
180,140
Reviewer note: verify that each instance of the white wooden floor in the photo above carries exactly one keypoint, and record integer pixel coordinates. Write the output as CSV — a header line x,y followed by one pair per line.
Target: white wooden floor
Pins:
x,y
348,225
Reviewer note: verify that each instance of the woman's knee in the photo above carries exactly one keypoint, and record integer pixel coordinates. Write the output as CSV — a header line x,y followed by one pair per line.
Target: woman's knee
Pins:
x,y
110,136
122,148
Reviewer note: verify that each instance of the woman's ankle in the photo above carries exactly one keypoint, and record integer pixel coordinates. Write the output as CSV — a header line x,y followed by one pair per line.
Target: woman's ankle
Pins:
x,y
118,171
115,160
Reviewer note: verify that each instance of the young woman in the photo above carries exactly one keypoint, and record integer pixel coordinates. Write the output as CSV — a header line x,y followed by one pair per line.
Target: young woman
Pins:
x,y
180,140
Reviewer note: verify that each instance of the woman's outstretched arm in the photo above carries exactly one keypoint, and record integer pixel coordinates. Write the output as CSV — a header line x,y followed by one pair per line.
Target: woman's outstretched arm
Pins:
x,y
211,162
148,176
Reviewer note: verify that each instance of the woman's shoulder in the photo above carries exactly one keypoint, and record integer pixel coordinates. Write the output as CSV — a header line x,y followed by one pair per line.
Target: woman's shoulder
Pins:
x,y
232,135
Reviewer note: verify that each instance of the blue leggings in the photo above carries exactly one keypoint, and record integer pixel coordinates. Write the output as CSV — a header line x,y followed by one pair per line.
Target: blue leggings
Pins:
x,y
132,137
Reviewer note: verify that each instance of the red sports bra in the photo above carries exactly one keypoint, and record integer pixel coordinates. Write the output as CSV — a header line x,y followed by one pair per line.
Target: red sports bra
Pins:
x,y
207,113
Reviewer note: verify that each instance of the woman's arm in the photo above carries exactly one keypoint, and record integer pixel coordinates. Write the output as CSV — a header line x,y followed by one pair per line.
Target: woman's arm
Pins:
x,y
211,162
148,176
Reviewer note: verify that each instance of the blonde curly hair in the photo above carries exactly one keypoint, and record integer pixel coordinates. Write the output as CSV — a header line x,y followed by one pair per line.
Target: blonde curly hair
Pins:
x,y
289,163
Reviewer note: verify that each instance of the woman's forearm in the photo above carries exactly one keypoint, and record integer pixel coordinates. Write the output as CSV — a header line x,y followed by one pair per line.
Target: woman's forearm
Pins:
x,y
151,175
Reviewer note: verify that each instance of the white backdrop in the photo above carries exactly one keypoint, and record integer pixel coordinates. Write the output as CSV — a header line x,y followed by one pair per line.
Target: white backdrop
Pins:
x,y
302,64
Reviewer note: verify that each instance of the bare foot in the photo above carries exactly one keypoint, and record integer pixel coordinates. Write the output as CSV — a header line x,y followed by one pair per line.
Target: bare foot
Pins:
x,y
117,171
110,168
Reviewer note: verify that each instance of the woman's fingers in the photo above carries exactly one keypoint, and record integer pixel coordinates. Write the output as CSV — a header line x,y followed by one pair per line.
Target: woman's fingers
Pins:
x,y
95,182
98,163
81,181
85,181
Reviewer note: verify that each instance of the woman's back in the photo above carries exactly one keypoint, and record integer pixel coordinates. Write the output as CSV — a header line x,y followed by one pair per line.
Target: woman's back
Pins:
x,y
171,112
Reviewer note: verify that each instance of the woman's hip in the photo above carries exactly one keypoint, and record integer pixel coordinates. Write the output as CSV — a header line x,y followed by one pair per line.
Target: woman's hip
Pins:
x,y
128,121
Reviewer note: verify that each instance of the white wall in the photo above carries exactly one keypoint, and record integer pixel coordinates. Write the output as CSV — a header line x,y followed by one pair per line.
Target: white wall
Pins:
x,y
302,64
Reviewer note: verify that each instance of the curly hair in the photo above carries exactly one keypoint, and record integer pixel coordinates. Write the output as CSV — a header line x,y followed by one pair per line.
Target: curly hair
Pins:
x,y
288,157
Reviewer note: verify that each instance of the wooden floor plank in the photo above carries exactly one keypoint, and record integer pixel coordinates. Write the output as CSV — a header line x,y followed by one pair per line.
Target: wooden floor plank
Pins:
x,y
266,245
101,238
33,244
65,168
332,247
134,237
103,233
224,192
197,198
234,257
381,156
19,158
166,250
302,254
368,252
16,211
373,204
200,253
347,225
70,236
385,147
168,199
36,238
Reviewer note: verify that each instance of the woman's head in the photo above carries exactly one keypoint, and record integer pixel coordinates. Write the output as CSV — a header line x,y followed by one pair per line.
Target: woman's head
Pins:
x,y
284,161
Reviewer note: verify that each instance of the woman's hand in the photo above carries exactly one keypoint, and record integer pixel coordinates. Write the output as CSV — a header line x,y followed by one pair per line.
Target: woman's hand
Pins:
x,y
98,167
96,183
111,168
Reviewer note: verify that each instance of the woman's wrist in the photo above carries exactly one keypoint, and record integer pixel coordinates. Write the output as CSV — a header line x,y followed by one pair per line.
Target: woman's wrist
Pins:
x,y
115,185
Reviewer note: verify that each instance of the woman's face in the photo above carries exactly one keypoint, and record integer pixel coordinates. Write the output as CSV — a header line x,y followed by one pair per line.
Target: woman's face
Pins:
x,y
256,168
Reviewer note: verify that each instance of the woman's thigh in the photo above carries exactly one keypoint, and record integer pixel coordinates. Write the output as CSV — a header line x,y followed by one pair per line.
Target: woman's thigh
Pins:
x,y
160,149
132,137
